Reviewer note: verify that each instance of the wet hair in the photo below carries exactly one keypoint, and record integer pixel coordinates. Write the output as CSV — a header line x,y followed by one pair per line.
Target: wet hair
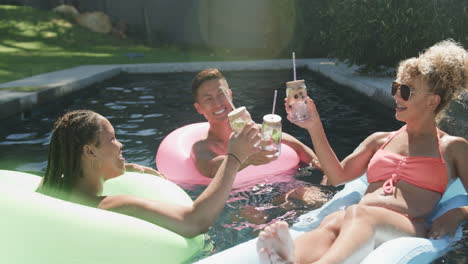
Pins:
x,y
70,133
203,76
444,67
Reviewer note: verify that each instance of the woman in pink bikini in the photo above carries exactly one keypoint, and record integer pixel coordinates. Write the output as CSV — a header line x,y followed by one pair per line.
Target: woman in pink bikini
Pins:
x,y
408,170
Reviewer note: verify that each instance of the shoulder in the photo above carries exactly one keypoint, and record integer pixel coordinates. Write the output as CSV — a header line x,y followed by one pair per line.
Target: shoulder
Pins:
x,y
376,140
379,136
200,145
371,144
454,147
455,151
201,150
205,158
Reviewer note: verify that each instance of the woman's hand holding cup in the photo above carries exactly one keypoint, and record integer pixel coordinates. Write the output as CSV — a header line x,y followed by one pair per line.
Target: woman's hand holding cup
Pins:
x,y
246,143
309,123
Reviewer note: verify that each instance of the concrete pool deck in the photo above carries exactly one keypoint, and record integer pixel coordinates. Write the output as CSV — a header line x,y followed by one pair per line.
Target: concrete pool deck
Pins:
x,y
51,86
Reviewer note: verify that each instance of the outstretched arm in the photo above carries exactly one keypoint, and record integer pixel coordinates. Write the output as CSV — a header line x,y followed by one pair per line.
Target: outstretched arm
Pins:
x,y
196,219
352,166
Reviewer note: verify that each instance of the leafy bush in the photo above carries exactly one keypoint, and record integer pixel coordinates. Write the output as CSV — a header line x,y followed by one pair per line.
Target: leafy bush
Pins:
x,y
376,33
311,28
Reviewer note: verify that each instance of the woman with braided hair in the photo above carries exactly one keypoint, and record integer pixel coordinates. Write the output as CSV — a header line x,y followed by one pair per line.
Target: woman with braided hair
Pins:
x,y
84,152
71,132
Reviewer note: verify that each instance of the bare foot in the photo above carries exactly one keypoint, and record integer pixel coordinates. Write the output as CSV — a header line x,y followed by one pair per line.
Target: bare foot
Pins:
x,y
270,257
275,244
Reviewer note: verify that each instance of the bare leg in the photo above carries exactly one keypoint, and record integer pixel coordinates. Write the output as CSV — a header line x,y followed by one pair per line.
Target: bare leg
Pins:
x,y
274,241
343,237
319,239
357,237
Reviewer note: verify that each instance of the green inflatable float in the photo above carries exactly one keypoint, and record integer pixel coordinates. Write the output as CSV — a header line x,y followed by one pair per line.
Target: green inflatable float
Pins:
x,y
36,228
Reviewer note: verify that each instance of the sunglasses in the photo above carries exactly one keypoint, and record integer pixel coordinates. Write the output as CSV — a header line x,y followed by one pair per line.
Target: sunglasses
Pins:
x,y
405,90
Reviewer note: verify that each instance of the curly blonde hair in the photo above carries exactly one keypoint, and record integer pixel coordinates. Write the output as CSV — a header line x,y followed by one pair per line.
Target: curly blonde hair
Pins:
x,y
444,67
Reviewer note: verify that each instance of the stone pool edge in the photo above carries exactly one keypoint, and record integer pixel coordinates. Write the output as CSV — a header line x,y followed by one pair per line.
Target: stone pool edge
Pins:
x,y
59,83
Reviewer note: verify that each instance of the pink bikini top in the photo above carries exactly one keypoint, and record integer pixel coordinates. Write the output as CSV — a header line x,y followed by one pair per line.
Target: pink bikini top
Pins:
x,y
426,172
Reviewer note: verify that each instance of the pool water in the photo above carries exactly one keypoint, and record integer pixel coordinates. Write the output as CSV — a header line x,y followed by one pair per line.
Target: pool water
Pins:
x,y
145,108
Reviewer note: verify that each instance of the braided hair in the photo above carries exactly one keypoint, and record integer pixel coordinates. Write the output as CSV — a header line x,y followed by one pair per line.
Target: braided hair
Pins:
x,y
71,132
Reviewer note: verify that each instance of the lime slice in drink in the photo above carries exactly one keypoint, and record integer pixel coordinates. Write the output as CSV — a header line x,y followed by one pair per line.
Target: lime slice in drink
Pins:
x,y
276,136
237,125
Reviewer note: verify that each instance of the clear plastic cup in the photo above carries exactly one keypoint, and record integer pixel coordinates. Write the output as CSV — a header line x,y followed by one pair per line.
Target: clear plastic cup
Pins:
x,y
238,118
271,131
296,93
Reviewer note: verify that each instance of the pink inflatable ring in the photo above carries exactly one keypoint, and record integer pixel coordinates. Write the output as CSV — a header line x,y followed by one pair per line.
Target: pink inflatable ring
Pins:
x,y
174,160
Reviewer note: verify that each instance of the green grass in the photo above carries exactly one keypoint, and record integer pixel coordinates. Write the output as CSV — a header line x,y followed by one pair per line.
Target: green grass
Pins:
x,y
23,88
36,41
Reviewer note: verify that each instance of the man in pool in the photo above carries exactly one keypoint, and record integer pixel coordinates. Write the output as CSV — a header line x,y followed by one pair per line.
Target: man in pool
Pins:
x,y
209,153
211,102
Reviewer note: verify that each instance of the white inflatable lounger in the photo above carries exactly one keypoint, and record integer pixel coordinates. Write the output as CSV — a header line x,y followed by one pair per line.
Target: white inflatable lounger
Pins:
x,y
397,251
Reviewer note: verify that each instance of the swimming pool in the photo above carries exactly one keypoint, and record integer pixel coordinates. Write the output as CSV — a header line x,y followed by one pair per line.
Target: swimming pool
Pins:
x,y
145,108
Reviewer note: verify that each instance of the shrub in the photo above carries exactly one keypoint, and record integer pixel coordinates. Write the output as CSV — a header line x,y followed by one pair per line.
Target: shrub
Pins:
x,y
376,33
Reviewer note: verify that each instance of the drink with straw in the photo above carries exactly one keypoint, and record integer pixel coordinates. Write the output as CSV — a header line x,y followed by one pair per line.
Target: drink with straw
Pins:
x,y
271,130
238,118
296,92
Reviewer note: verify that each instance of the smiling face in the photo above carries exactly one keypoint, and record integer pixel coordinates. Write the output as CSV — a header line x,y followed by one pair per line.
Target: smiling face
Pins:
x,y
211,101
109,152
420,104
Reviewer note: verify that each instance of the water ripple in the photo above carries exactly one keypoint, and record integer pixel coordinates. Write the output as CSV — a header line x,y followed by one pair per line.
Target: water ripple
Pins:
x,y
21,136
115,106
115,88
136,121
141,89
144,132
153,115
26,142
146,97
136,115
135,102
129,126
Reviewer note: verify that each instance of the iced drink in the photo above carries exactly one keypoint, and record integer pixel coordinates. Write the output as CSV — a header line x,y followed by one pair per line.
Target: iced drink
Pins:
x,y
271,130
238,118
296,92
